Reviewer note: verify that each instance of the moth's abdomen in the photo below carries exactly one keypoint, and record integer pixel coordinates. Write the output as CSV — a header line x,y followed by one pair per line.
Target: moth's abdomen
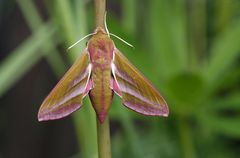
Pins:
x,y
101,94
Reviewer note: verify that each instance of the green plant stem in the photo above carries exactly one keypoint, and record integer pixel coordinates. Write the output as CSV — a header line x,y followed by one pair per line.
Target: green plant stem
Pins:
x,y
104,142
103,132
100,9
186,141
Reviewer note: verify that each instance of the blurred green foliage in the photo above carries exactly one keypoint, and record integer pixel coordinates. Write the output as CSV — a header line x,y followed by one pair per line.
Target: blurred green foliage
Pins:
x,y
189,49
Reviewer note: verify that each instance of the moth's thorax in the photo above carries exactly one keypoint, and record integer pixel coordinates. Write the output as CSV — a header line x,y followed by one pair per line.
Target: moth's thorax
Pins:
x,y
100,48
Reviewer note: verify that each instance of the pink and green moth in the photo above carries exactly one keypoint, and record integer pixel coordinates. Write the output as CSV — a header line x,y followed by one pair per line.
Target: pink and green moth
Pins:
x,y
99,71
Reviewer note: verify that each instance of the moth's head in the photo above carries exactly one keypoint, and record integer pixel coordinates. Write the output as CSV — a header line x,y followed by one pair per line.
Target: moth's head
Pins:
x,y
98,33
100,30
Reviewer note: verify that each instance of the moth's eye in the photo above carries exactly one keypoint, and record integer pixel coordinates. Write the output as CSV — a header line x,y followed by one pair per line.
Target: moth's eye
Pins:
x,y
86,43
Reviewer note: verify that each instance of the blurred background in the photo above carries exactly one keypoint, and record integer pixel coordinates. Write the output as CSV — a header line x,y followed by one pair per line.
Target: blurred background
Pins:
x,y
189,49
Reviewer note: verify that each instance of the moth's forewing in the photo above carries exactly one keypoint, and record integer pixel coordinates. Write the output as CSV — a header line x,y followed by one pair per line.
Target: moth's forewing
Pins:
x,y
136,91
67,95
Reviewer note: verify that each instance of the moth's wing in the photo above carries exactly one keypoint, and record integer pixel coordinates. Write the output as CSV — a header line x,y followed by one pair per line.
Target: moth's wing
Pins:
x,y
136,91
67,95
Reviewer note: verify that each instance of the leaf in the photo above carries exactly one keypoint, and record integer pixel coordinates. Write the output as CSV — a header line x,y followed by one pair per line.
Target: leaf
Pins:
x,y
229,102
224,53
186,90
167,36
223,125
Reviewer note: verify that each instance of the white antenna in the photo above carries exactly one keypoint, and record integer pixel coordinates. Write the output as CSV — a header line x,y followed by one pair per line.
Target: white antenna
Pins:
x,y
121,40
105,23
81,40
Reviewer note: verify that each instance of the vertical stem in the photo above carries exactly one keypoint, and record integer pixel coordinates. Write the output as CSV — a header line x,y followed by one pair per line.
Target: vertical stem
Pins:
x,y
186,141
198,32
104,142
130,15
103,132
100,9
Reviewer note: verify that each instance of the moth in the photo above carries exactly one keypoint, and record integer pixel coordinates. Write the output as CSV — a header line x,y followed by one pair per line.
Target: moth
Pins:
x,y
100,71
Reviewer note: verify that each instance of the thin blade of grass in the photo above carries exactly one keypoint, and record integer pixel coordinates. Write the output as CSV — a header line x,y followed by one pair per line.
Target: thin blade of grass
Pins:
x,y
24,57
88,137
129,15
232,101
228,126
64,17
72,23
34,21
170,52
224,53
